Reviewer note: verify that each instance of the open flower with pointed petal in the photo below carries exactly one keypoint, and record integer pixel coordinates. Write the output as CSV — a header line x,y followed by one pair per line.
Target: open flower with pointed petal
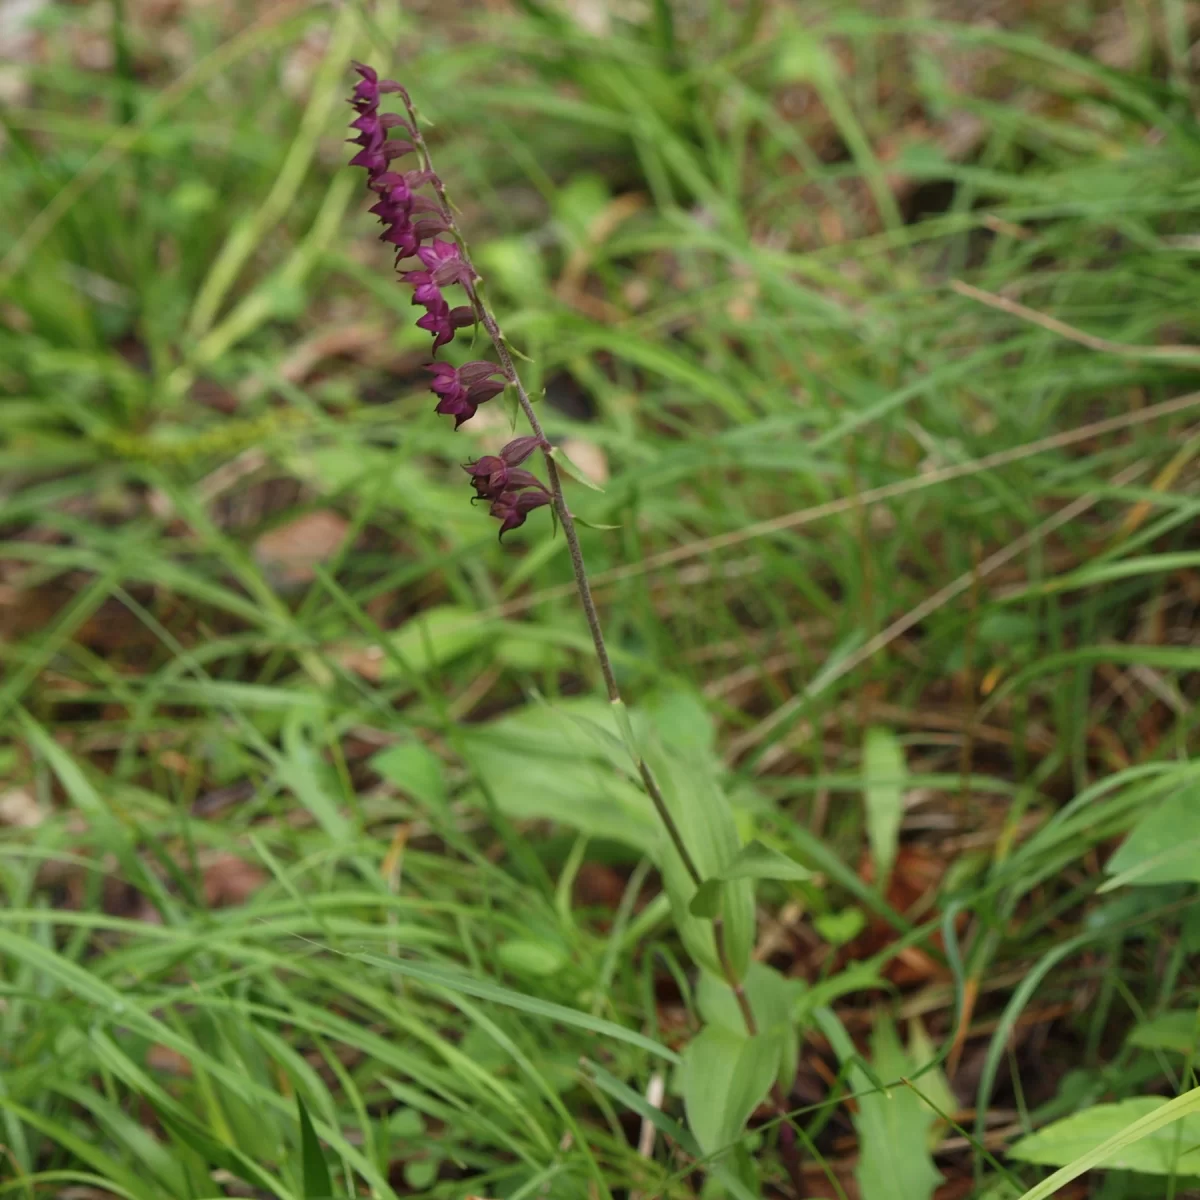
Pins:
x,y
444,262
493,474
511,508
463,389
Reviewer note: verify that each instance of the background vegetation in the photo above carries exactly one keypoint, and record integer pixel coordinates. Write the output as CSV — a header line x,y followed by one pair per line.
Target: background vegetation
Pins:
x,y
878,325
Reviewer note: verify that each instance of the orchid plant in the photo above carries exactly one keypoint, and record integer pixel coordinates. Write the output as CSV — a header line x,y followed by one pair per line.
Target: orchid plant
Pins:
x,y
709,874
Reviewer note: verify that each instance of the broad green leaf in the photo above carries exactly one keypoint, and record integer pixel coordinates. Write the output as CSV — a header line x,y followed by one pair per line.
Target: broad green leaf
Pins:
x,y
527,957
773,1003
406,1123
838,928
772,1000
1164,846
436,636
421,1173
676,736
554,763
1130,1130
894,1128
930,1081
884,773
706,902
1178,1032
753,861
757,861
415,769
893,1125
317,1183
706,822
681,719
567,763
725,1078
1170,1149
524,653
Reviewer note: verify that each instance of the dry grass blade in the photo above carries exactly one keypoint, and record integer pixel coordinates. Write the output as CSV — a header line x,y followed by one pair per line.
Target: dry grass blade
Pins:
x,y
916,615
833,508
1172,353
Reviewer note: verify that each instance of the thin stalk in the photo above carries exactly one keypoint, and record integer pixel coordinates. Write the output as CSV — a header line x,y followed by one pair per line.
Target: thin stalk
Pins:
x,y
787,1139
787,1135
558,499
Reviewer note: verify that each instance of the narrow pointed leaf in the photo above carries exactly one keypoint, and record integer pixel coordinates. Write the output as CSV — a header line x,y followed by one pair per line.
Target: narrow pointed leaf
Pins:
x,y
317,1184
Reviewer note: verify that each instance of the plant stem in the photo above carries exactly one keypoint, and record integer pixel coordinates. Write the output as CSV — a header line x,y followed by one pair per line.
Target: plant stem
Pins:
x,y
570,533
787,1138
556,491
735,984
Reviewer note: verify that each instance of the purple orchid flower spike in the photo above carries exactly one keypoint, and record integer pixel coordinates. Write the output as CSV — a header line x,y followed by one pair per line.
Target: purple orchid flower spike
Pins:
x,y
414,225
369,88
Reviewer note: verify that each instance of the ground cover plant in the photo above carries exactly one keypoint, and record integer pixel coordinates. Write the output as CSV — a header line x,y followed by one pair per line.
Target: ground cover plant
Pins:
x,y
864,337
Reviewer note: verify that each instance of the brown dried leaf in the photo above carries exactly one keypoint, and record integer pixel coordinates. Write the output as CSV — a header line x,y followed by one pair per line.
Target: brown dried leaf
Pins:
x,y
19,807
163,1058
229,881
290,552
589,458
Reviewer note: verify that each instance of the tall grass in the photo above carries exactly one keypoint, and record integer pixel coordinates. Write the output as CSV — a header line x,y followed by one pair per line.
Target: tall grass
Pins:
x,y
909,567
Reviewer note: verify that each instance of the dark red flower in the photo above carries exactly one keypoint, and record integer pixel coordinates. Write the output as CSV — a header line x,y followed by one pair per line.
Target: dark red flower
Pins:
x,y
409,219
412,224
441,320
494,474
462,389
444,262
511,508
367,91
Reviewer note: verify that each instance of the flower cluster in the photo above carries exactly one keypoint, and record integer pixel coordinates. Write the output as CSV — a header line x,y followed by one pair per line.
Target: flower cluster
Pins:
x,y
412,224
513,492
408,219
